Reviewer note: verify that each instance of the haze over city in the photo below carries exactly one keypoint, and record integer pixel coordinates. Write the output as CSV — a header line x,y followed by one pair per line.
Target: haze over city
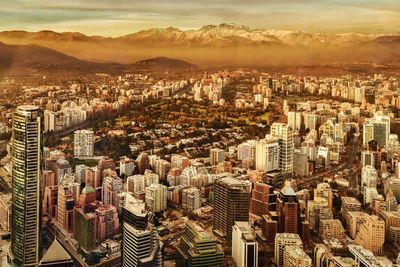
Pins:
x,y
200,133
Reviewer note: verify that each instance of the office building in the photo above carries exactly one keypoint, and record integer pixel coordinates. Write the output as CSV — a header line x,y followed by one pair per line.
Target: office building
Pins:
x,y
349,204
317,210
141,245
244,245
324,190
85,229
262,197
198,248
83,143
27,163
231,204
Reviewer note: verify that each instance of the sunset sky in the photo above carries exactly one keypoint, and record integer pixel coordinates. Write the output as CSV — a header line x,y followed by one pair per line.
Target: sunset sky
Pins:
x,y
120,17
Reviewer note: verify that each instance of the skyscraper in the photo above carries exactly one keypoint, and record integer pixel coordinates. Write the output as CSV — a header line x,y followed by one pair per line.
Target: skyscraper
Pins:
x,y
231,204
27,164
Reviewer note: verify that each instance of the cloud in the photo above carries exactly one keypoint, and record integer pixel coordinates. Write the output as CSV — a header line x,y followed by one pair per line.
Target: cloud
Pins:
x,y
116,17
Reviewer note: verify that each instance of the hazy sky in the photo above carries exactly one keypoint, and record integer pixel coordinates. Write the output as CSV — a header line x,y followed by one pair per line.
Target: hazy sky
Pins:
x,y
119,17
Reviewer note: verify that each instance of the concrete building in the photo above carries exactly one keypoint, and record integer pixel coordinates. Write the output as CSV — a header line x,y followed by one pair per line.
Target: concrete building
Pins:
x,y
65,208
244,245
247,150
294,256
324,190
349,204
354,219
372,235
262,196
112,186
317,210
191,198
285,135
126,166
217,155
83,143
5,212
364,257
156,197
107,222
267,154
331,228
283,240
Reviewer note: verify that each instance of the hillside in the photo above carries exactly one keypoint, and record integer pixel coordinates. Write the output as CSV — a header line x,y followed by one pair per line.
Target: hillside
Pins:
x,y
34,59
219,45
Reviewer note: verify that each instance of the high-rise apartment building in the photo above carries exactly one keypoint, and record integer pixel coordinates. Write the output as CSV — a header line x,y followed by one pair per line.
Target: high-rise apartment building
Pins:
x,y
107,222
285,135
156,197
372,235
217,155
65,208
112,186
294,120
283,240
27,151
191,198
83,143
267,154
231,204
262,197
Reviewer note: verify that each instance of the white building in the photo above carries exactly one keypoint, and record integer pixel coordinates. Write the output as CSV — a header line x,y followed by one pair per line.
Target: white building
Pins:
x,y
285,135
244,245
156,197
83,143
267,154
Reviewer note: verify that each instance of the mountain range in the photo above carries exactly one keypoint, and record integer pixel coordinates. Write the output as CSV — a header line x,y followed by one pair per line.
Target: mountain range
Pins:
x,y
34,59
224,44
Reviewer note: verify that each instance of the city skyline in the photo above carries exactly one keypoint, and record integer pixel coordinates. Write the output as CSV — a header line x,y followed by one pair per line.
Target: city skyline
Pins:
x,y
117,18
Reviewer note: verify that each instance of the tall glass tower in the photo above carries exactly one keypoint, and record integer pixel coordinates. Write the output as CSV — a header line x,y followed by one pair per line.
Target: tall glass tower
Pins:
x,y
27,150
